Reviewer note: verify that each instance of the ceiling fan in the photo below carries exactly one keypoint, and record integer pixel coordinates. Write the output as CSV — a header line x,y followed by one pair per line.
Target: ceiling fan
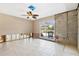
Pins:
x,y
30,14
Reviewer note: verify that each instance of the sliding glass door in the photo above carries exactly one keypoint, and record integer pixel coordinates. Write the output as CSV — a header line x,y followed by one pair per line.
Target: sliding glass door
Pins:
x,y
47,29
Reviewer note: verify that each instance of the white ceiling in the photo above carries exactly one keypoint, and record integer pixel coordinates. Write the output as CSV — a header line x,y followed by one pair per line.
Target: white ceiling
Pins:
x,y
44,10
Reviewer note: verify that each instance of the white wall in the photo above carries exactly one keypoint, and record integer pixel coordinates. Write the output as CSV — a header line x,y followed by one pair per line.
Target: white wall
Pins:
x,y
11,24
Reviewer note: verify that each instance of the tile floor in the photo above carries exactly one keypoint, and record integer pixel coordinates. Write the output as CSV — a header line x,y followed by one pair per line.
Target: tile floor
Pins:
x,y
36,47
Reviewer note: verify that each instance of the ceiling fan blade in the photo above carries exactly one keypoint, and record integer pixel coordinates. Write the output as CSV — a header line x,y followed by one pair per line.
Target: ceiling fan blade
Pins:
x,y
27,17
35,15
29,13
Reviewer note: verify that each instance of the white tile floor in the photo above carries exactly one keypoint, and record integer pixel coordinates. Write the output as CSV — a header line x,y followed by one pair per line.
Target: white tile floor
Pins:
x,y
36,47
